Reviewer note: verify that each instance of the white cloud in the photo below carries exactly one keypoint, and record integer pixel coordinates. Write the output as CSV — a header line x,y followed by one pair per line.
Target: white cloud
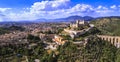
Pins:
x,y
82,7
118,5
101,7
2,16
41,10
4,9
58,9
113,7
49,5
36,11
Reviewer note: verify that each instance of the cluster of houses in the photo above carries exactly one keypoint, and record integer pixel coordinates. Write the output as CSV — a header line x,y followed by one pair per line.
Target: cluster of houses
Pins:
x,y
13,38
59,40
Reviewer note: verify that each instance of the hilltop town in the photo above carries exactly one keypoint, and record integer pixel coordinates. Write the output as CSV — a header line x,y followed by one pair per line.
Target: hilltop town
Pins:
x,y
36,41
59,30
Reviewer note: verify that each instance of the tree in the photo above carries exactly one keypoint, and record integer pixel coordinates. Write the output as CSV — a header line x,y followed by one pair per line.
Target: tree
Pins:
x,y
101,50
33,38
118,55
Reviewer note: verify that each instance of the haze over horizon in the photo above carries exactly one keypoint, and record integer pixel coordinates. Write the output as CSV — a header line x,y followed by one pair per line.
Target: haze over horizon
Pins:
x,y
52,9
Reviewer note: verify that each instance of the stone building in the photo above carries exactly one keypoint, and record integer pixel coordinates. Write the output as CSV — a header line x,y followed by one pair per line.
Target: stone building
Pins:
x,y
59,40
79,23
79,28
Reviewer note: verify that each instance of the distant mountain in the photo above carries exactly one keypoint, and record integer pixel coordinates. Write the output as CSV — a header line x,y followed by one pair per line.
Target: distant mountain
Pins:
x,y
74,18
67,19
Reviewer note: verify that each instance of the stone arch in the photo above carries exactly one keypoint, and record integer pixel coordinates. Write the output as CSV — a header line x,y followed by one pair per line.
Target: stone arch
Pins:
x,y
113,42
113,39
110,40
117,43
116,40
103,38
107,39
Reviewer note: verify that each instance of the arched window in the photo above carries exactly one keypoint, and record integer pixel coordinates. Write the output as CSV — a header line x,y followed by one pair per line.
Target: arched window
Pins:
x,y
110,40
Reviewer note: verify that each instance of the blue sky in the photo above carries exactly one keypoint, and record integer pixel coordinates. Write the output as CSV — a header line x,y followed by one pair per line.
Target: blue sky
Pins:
x,y
17,10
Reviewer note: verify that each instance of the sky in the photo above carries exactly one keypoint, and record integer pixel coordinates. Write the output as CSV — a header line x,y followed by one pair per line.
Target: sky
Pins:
x,y
18,10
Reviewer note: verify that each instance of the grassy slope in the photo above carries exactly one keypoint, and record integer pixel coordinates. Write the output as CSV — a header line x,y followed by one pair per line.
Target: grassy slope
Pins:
x,y
108,25
3,31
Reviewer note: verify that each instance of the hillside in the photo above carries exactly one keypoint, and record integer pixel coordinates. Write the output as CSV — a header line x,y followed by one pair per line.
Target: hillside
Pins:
x,y
108,25
9,29
3,31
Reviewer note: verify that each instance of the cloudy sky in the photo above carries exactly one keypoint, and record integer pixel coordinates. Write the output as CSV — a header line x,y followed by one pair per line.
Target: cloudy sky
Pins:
x,y
16,10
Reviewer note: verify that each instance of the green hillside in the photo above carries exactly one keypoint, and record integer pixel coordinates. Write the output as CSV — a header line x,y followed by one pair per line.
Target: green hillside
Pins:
x,y
108,25
3,31
9,29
